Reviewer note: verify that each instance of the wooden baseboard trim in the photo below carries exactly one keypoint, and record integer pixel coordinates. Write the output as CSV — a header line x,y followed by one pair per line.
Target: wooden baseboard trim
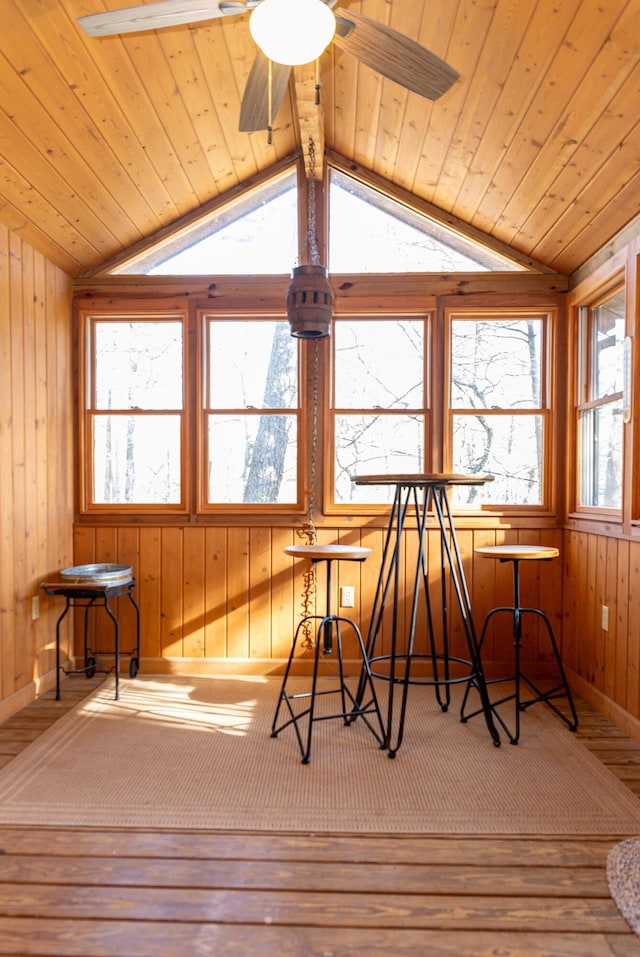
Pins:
x,y
218,667
625,721
24,696
303,666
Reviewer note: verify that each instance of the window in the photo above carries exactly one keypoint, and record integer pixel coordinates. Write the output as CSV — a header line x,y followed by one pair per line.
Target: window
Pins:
x,y
143,428
393,237
234,437
496,420
256,233
600,407
498,405
379,402
134,423
251,413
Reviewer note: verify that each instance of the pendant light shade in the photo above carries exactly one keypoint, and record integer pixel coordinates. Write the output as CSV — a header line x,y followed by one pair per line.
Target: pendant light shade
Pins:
x,y
292,32
310,302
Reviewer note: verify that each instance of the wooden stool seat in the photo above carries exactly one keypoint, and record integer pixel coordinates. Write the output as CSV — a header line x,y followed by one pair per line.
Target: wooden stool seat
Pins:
x,y
317,553
516,554
521,552
300,706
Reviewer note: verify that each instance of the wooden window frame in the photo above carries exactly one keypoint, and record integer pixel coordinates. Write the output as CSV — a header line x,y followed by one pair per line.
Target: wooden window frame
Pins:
x,y
204,318
583,402
88,412
431,310
330,506
547,409
193,457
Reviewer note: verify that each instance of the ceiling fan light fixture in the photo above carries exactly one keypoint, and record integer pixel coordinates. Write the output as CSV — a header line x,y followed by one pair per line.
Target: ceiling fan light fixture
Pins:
x,y
292,32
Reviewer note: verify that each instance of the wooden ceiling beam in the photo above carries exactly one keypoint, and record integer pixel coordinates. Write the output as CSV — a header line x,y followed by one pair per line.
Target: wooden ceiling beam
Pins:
x,y
310,118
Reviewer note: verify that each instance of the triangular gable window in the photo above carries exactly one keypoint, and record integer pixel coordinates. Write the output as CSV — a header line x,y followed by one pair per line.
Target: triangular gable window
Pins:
x,y
257,234
370,232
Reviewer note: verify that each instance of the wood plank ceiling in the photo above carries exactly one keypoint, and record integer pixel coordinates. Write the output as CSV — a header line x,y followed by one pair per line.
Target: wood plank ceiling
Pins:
x,y
105,141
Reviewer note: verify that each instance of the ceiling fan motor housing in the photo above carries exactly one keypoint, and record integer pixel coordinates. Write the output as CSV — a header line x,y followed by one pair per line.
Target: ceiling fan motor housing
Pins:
x,y
310,302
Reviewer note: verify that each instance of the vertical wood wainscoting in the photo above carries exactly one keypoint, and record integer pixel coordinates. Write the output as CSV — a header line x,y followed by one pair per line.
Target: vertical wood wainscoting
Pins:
x,y
227,599
603,570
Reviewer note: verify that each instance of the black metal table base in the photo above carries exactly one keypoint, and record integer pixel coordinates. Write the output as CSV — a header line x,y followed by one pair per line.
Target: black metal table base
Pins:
x,y
417,497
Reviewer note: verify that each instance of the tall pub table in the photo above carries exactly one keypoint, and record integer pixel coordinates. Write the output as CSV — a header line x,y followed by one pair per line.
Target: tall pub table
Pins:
x,y
94,595
415,498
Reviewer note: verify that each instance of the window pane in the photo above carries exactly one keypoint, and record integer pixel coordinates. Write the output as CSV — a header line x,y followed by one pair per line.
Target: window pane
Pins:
x,y
509,447
252,365
256,233
602,456
394,238
252,459
374,444
136,459
607,340
496,364
379,364
138,365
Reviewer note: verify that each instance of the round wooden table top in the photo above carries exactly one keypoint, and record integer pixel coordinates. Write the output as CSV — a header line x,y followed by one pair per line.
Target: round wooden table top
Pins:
x,y
349,553
520,552
422,479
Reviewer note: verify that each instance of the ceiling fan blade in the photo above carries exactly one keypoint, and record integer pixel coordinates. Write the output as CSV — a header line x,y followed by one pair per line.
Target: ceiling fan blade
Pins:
x,y
394,55
254,113
164,13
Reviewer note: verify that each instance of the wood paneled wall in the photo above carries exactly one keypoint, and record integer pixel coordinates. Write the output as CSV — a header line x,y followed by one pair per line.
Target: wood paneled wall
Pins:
x,y
602,552
228,599
36,487
604,570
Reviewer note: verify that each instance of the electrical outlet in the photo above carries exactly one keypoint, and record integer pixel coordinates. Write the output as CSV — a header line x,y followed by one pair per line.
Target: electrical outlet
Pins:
x,y
605,618
347,596
35,608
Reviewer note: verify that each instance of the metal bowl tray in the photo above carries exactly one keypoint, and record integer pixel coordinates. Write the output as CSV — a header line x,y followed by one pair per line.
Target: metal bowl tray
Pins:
x,y
107,573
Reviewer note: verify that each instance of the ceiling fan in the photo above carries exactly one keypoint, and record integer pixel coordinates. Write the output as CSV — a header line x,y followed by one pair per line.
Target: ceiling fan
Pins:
x,y
292,24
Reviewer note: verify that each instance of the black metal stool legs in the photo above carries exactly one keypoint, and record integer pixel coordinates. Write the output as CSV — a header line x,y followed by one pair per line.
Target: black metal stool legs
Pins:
x,y
548,697
561,690
301,705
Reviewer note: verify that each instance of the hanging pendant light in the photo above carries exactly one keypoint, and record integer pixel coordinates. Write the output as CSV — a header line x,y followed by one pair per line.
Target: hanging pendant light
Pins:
x,y
292,32
310,302
310,296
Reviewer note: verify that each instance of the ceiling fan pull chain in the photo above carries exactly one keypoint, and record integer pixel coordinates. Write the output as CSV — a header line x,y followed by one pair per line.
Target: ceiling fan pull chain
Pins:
x,y
317,82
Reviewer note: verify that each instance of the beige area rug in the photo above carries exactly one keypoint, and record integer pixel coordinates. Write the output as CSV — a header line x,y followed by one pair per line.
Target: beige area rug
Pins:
x,y
196,753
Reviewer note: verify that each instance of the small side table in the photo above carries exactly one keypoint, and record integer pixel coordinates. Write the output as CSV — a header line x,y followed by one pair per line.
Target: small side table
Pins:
x,y
87,596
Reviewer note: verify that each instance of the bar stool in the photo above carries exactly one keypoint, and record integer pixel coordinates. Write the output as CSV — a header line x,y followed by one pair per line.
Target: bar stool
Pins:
x,y
329,626
517,554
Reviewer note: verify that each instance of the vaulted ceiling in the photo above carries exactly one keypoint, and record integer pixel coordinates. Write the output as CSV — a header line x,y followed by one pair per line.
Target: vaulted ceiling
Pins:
x,y
104,142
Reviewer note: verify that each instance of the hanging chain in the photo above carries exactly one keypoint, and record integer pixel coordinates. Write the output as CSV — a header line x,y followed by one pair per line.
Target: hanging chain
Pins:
x,y
312,238
308,530
314,443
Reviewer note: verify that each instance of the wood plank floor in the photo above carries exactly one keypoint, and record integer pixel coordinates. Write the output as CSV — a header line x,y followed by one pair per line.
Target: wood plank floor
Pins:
x,y
102,893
